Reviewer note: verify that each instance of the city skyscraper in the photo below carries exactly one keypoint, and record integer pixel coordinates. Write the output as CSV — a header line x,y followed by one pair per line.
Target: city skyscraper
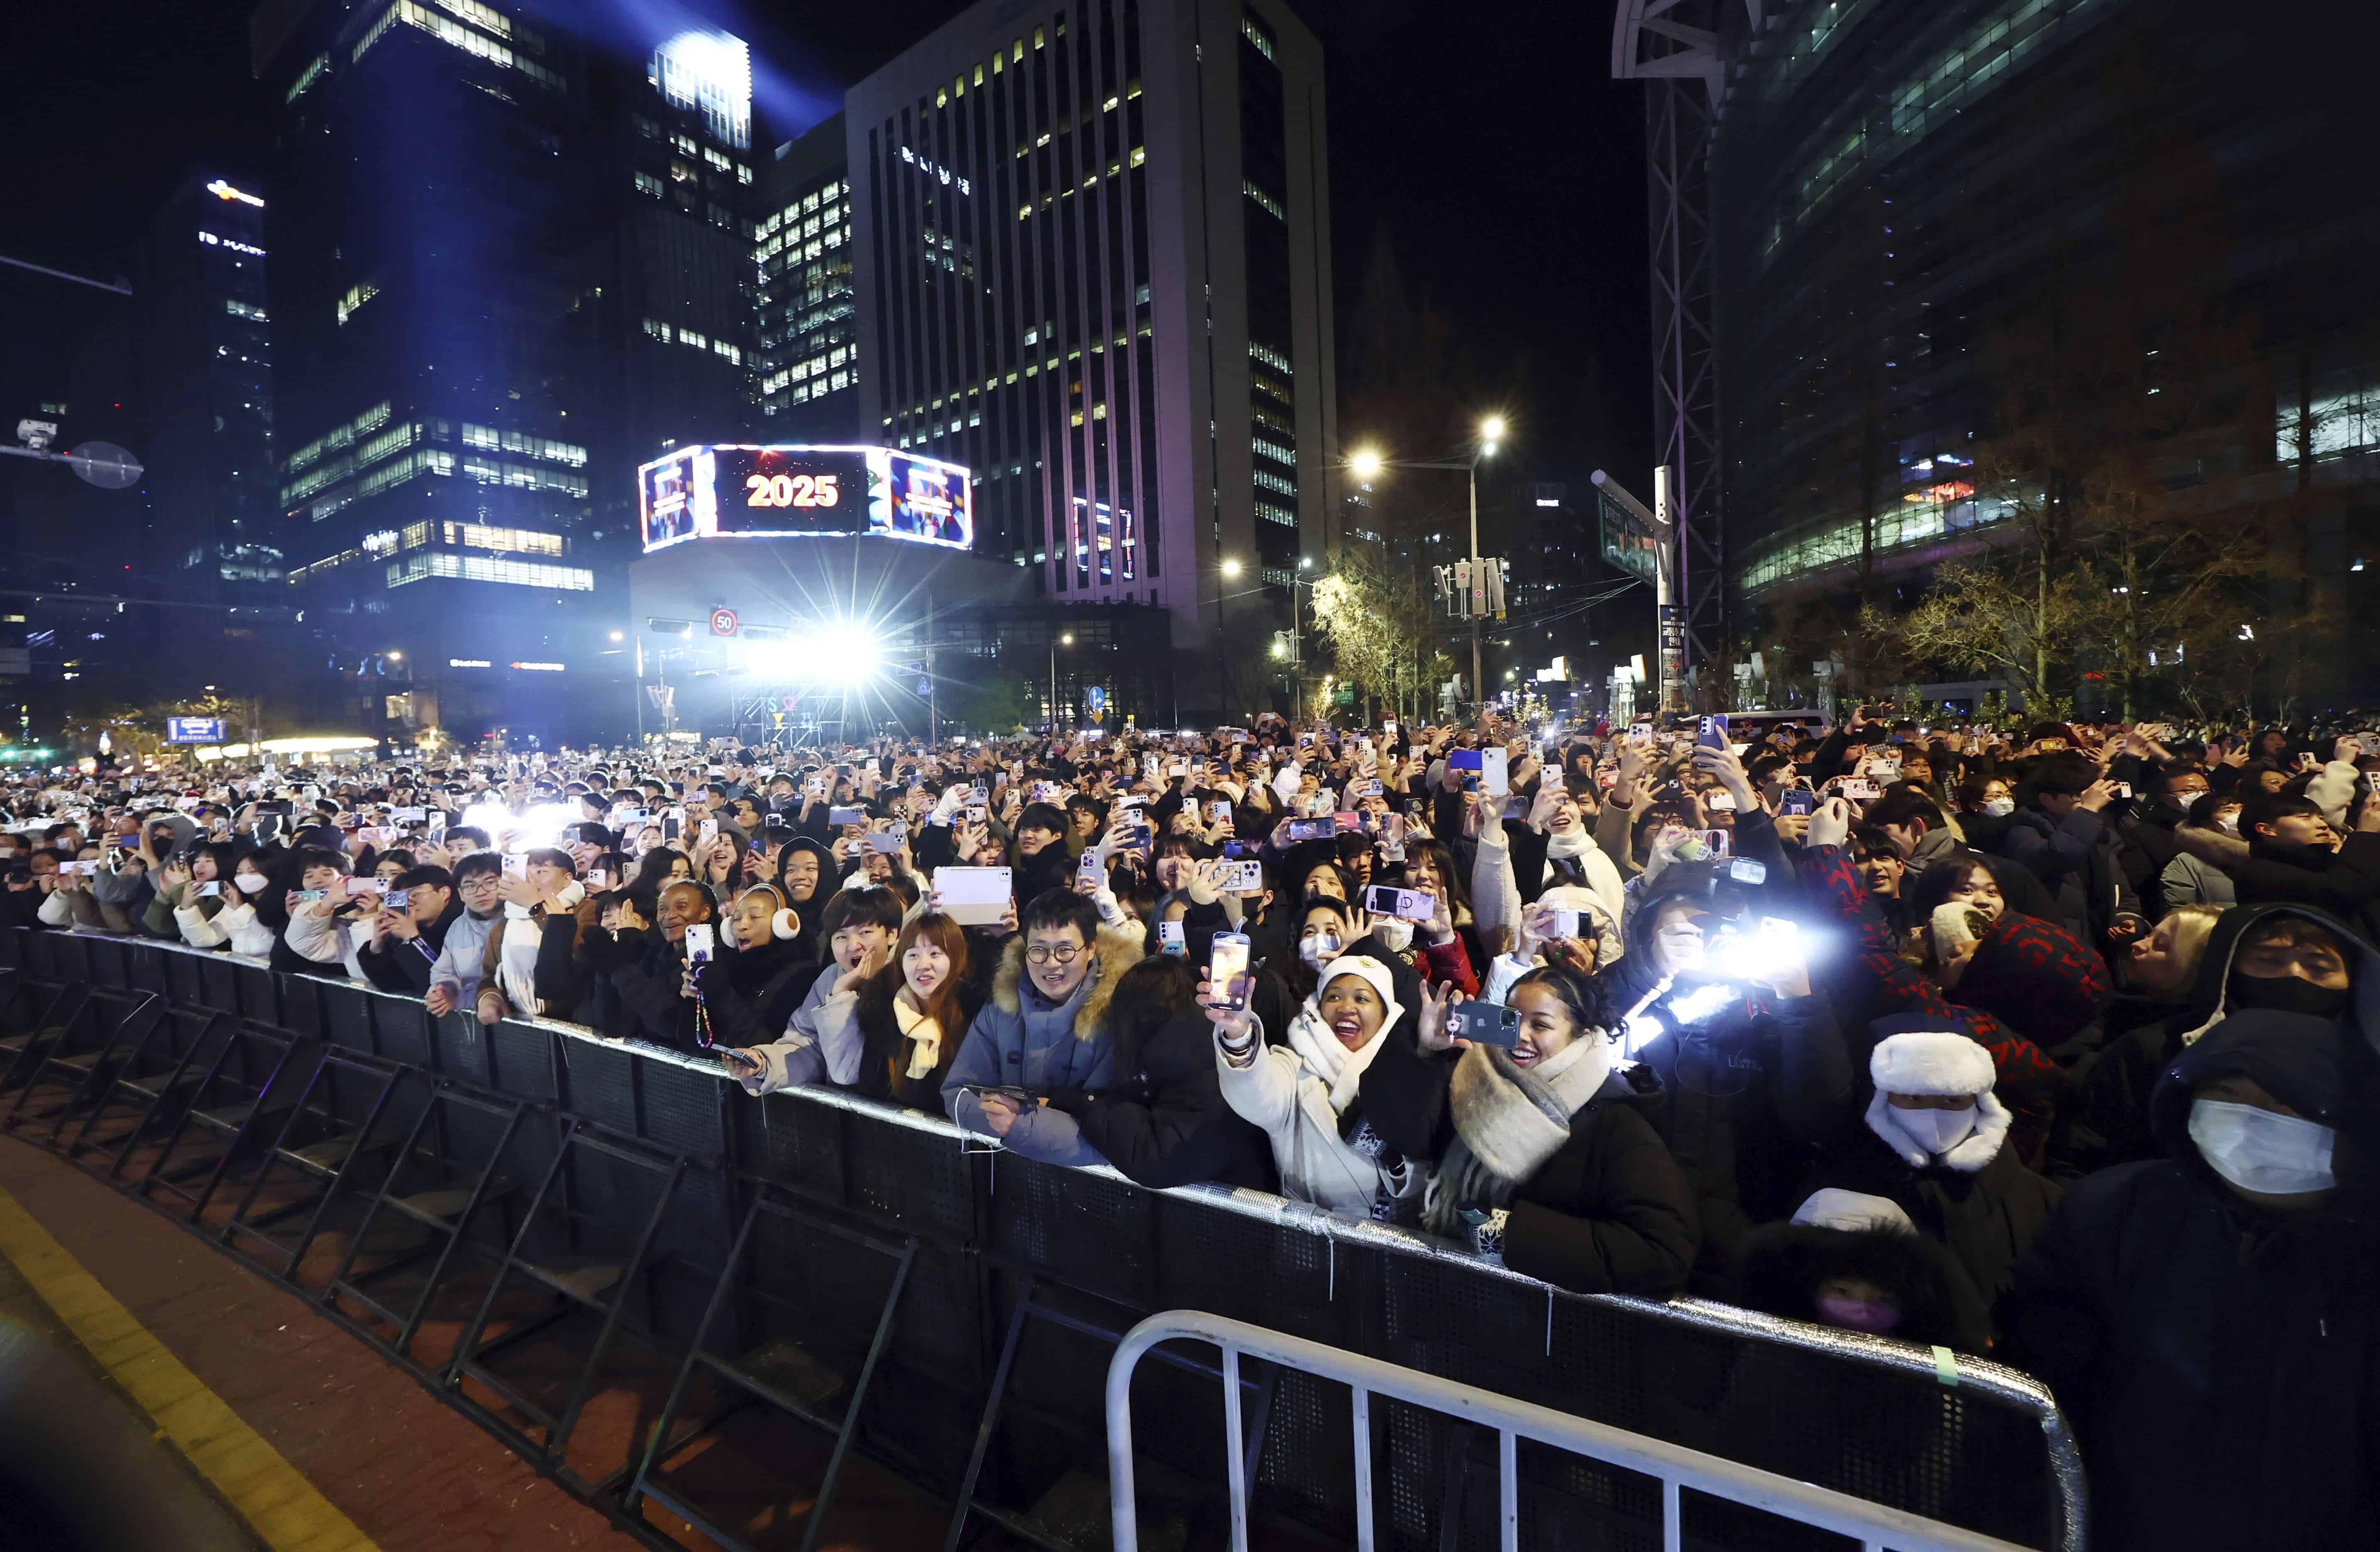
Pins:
x,y
509,266
204,366
1094,267
810,370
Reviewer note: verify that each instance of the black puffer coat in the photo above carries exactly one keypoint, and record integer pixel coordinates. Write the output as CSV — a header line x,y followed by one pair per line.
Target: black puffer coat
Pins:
x,y
1163,1121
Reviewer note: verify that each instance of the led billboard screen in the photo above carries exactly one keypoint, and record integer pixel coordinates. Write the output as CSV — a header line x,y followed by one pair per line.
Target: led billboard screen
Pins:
x,y
752,492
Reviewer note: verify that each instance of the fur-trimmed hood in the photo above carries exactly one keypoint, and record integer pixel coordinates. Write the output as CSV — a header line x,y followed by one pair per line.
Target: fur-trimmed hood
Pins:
x,y
1115,950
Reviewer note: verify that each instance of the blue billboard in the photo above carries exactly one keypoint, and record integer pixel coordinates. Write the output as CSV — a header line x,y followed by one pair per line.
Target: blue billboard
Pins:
x,y
194,730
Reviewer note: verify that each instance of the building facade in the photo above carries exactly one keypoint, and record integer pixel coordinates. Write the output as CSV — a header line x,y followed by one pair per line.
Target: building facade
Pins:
x,y
512,266
1092,249
810,351
1908,203
205,369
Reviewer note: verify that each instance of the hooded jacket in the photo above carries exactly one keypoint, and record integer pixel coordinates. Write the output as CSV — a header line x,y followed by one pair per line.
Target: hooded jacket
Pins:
x,y
1783,1265
2220,1362
1022,1041
2105,1120
2076,858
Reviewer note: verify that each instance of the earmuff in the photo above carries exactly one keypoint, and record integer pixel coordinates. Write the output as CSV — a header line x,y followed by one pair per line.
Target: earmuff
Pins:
x,y
784,924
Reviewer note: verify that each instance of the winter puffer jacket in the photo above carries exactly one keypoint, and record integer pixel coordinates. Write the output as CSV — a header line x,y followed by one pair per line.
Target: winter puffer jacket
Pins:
x,y
2220,1363
1022,1041
1163,1121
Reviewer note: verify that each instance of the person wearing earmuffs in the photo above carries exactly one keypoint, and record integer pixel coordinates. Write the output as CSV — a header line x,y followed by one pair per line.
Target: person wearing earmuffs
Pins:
x,y
751,989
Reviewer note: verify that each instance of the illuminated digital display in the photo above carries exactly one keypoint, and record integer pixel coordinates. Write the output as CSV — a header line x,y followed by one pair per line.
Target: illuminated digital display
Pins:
x,y
751,492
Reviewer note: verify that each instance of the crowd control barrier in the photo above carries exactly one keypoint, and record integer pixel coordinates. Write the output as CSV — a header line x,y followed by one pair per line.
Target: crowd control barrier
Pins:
x,y
530,1218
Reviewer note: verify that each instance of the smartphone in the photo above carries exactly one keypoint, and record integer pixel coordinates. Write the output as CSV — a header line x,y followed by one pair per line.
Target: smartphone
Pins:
x,y
1089,867
127,842
1465,759
1493,778
1719,802
2123,789
1861,790
1716,843
1313,830
1392,838
1227,970
1170,939
1797,800
1221,809
1887,772
515,865
1369,789
596,878
359,888
308,897
1388,733
1242,877
697,943
1489,1023
1566,922
1712,732
1386,900
846,816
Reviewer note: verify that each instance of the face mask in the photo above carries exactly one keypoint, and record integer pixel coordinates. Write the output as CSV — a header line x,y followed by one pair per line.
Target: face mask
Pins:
x,y
2257,1151
2286,994
248,883
1938,1132
1395,932
2228,823
1999,807
1857,1315
1319,950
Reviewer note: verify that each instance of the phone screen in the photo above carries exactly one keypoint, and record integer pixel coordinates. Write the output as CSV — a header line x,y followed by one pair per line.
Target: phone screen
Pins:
x,y
1227,970
697,943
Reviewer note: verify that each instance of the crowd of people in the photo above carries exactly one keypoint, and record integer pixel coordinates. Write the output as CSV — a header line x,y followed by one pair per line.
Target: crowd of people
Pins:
x,y
2052,1043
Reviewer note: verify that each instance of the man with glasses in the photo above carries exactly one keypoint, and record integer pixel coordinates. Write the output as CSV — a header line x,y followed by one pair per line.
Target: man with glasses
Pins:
x,y
409,930
1044,1032
454,979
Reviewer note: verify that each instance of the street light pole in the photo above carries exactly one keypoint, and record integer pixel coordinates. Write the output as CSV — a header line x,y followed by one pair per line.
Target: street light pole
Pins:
x,y
1479,588
1367,462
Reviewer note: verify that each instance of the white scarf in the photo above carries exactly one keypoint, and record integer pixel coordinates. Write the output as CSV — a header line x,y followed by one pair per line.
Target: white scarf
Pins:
x,y
516,959
925,1034
1576,1073
1968,1155
1563,844
1334,1063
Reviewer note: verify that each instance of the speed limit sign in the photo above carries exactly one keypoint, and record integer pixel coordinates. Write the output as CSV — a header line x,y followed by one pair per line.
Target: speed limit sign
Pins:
x,y
722,622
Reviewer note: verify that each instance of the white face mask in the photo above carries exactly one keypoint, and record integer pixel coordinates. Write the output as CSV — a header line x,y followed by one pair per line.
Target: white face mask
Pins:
x,y
2257,1151
1938,1132
2228,823
1999,807
248,883
1394,932
1319,950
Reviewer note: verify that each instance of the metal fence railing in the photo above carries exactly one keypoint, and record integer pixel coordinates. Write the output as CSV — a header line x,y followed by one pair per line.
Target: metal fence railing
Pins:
x,y
1677,1470
1024,1277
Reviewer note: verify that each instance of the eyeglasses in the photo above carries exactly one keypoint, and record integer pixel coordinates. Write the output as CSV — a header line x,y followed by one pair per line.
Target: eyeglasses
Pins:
x,y
1042,955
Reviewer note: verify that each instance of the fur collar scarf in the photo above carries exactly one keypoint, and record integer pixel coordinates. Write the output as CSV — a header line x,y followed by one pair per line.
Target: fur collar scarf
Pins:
x,y
1508,1120
1115,950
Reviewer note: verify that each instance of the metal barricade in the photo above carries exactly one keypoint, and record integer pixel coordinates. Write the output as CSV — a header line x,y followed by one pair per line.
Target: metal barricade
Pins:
x,y
1679,1470
1920,1439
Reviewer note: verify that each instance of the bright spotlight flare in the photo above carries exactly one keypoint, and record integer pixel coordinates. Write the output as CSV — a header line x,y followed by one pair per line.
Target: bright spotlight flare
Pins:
x,y
831,652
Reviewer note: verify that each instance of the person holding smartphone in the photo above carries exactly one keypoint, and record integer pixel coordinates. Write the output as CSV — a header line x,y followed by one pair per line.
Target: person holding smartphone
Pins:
x,y
322,918
1304,1092
1593,1201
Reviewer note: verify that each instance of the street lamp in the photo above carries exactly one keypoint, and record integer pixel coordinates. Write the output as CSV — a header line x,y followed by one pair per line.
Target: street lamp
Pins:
x,y
1065,640
1367,462
1230,568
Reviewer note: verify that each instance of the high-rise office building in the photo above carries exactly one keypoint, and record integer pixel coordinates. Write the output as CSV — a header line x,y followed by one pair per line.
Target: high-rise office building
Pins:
x,y
205,369
495,252
809,367
1093,266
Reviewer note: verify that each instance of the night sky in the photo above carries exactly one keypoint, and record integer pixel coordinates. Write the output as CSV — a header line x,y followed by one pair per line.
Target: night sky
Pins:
x,y
1486,140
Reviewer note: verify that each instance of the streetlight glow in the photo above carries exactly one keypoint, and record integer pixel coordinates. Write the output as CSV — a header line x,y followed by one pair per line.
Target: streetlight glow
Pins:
x,y
396,656
1366,461
1067,640
1230,568
1491,430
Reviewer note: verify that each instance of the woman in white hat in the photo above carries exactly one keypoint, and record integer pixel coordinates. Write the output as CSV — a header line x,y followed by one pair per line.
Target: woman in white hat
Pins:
x,y
1303,1093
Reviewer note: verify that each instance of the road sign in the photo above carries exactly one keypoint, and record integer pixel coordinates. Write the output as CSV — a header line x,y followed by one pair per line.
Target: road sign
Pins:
x,y
194,730
1096,697
925,687
722,622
